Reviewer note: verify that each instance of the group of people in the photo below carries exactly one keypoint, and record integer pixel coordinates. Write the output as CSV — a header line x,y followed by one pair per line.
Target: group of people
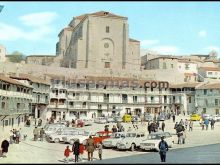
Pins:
x,y
78,149
155,126
205,123
15,136
38,134
118,128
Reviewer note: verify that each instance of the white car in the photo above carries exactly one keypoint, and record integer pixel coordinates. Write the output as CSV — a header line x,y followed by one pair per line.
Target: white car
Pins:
x,y
72,137
81,136
131,141
112,141
110,120
57,136
215,117
53,128
100,120
153,140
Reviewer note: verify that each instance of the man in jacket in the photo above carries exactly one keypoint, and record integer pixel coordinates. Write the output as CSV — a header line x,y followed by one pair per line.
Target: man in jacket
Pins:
x,y
163,147
90,147
4,147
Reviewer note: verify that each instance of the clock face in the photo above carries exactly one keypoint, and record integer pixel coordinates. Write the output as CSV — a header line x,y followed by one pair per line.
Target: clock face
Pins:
x,y
106,45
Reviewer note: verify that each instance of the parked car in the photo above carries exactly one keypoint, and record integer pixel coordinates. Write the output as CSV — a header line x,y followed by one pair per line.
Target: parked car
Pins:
x,y
153,139
206,116
215,117
81,135
118,119
127,118
52,128
100,136
110,119
72,137
161,117
195,117
57,136
100,120
131,141
148,117
112,141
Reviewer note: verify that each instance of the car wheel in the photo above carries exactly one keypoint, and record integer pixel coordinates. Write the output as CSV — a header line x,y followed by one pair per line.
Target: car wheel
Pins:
x,y
56,140
71,141
133,147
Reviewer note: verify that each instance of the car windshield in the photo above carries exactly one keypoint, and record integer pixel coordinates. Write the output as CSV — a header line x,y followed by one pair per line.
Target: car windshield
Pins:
x,y
131,135
154,136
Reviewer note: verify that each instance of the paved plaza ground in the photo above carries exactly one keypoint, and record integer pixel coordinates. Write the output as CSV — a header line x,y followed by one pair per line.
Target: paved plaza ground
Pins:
x,y
30,151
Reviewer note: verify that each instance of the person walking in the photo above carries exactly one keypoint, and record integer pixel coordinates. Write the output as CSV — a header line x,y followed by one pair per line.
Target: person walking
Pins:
x,y
190,125
75,150
114,129
42,134
206,122
90,147
212,124
18,136
163,126
186,123
100,150
163,147
67,154
35,132
174,118
184,136
4,147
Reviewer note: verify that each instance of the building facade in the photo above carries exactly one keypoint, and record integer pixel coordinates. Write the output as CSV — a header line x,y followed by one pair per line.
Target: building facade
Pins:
x,y
40,94
15,102
95,96
99,39
208,98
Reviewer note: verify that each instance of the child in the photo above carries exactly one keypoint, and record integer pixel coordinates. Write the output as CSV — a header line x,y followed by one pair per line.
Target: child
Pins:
x,y
100,150
81,150
67,154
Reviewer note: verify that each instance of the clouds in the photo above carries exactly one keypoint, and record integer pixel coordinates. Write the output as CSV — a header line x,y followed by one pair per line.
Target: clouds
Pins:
x,y
211,48
153,47
146,43
202,33
165,49
39,26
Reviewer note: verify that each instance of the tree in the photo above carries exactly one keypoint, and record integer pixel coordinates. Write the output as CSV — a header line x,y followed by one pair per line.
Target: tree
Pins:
x,y
16,57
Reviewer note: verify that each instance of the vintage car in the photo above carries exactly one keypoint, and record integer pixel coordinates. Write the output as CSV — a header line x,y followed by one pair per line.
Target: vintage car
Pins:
x,y
81,136
100,136
101,120
57,136
53,128
118,119
148,117
127,118
153,139
110,119
112,141
131,141
195,117
215,117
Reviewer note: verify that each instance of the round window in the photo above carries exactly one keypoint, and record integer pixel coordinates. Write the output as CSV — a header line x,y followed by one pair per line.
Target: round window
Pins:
x,y
106,45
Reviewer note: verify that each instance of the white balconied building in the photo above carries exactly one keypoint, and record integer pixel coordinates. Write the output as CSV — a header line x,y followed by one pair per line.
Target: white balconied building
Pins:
x,y
208,98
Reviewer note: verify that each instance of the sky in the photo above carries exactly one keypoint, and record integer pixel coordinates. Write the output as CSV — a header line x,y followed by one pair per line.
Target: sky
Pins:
x,y
175,28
